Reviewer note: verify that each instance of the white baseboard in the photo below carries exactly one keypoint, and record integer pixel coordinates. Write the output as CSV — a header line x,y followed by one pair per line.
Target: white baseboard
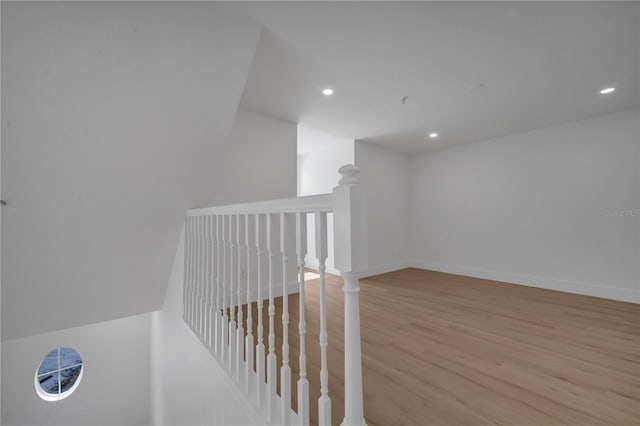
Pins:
x,y
388,267
568,286
578,287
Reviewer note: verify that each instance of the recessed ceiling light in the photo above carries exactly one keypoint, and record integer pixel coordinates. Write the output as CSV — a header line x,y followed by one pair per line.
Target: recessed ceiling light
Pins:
x,y
327,92
433,135
607,90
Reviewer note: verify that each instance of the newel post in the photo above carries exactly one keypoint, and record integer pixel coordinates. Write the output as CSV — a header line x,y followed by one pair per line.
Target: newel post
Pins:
x,y
350,242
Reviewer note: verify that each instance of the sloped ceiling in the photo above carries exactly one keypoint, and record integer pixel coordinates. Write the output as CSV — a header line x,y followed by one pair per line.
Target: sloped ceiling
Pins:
x,y
112,114
471,70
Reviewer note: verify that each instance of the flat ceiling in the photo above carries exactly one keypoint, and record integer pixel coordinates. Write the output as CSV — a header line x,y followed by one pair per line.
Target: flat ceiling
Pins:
x,y
471,70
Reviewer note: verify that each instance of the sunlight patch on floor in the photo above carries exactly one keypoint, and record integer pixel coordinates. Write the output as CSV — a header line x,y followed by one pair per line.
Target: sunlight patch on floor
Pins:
x,y
311,276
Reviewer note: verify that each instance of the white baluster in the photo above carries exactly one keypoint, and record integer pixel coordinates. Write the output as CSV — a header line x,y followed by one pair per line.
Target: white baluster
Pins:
x,y
197,274
250,233
261,230
287,241
303,383
210,282
200,277
272,361
186,288
350,233
232,284
240,377
324,402
203,283
207,276
224,356
203,278
193,274
218,316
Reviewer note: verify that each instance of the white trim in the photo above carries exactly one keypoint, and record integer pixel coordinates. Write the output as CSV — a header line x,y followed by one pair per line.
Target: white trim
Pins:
x,y
578,287
60,395
310,204
567,286
383,269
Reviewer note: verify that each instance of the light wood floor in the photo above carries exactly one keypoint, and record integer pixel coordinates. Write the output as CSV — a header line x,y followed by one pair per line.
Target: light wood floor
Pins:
x,y
442,349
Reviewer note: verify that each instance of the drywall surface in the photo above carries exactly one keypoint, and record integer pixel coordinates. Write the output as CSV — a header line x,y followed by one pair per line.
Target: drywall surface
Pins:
x,y
0,227
386,177
556,208
259,161
188,387
113,114
320,156
114,389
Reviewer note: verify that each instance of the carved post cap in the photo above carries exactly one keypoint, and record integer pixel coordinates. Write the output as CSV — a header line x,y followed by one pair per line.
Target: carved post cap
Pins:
x,y
350,222
349,174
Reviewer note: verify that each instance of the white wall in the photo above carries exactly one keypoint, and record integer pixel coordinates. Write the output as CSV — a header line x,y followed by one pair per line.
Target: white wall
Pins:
x,y
114,389
0,227
113,114
531,208
259,161
386,176
188,387
320,155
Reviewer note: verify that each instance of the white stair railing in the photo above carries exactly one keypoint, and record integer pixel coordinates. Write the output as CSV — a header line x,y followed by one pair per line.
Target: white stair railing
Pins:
x,y
303,383
324,403
226,251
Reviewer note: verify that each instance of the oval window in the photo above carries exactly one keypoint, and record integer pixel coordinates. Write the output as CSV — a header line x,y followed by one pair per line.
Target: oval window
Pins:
x,y
59,374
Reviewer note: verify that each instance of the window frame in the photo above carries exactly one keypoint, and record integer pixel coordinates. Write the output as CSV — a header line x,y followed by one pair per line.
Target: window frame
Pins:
x,y
60,394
